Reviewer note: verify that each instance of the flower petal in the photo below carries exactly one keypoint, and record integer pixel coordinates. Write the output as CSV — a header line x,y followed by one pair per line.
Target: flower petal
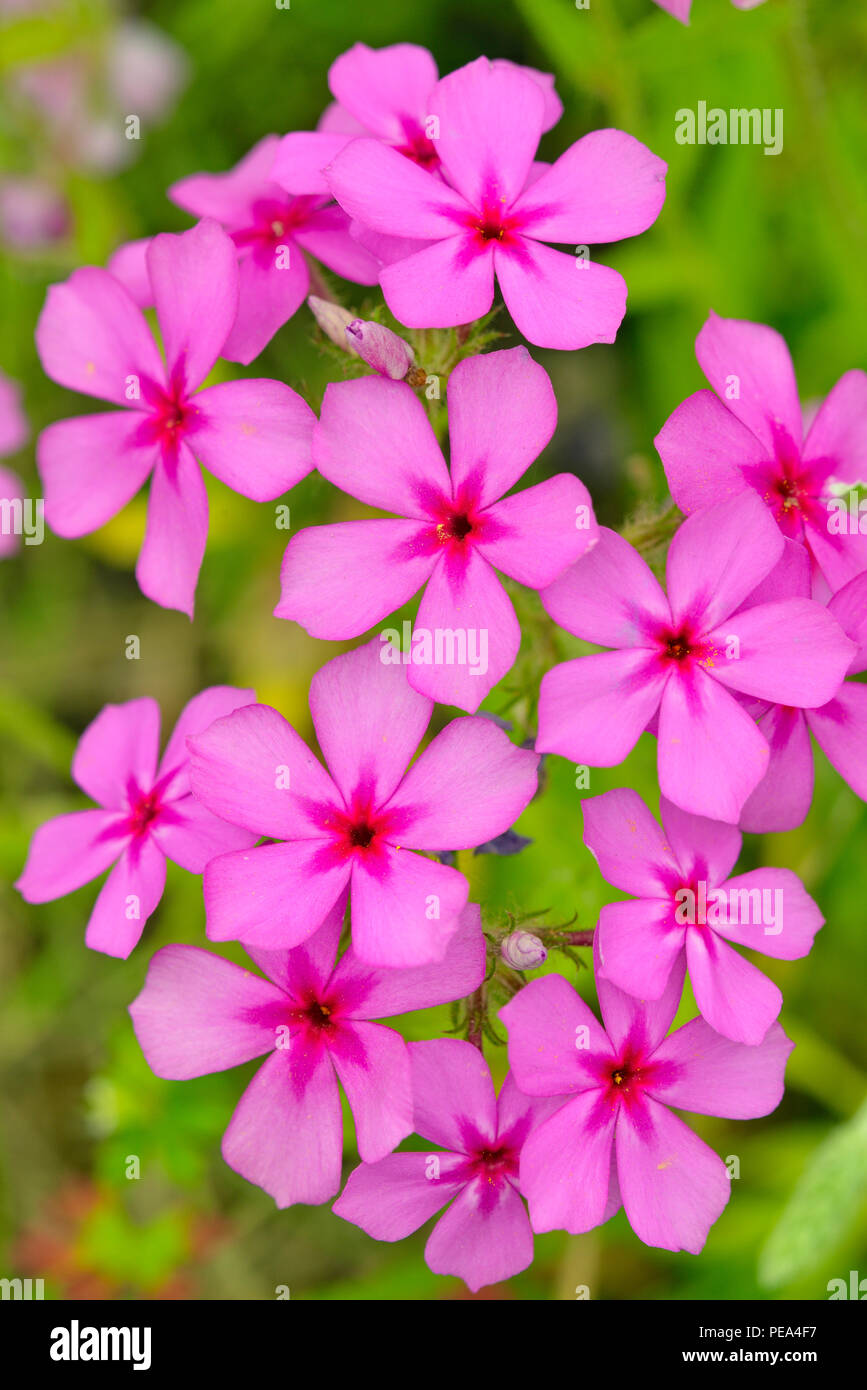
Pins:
x,y
441,286
627,844
272,285
566,1167
198,1013
467,752
373,1066
384,88
228,197
639,943
129,895
735,998
337,581
718,556
391,1199
274,896
368,720
757,356
557,300
838,433
191,836
553,1039
711,755
641,1023
453,1093
712,1076
67,852
502,413
196,717
375,442
609,596
466,608
255,436
479,1242
176,535
391,194
92,337
90,467
541,531
704,848
782,798
491,118
840,729
605,187
195,283
793,653
288,1138
673,1186
372,993
593,710
407,913
705,451
251,768
119,747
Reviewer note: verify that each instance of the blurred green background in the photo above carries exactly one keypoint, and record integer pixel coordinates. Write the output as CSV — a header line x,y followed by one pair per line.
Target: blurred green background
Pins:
x,y
780,240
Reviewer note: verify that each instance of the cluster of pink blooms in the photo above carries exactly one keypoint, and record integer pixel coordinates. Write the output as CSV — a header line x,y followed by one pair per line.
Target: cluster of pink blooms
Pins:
x,y
431,187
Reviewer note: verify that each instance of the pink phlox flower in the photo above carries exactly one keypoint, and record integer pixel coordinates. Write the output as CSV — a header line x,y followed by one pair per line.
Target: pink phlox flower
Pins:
x,y
375,442
254,435
748,434
615,1140
489,212
484,1236
147,815
685,903
199,1014
682,660
359,823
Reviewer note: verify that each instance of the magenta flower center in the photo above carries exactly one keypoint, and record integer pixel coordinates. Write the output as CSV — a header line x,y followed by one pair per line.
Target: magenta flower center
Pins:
x,y
495,1165
456,527
143,813
417,146
677,646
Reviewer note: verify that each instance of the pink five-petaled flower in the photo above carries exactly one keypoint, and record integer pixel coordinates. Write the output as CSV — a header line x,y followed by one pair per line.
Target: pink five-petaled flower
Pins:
x,y
255,436
681,8
680,657
492,216
750,435
615,1139
199,1013
485,1235
374,441
385,93
685,903
147,816
360,825
782,798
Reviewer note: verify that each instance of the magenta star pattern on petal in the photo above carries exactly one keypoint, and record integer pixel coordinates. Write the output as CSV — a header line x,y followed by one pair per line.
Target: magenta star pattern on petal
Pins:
x,y
359,823
685,902
199,1014
375,442
682,660
493,212
748,433
615,1140
484,1236
255,436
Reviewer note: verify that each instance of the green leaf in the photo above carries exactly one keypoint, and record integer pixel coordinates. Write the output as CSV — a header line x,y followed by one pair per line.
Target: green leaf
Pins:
x,y
821,1207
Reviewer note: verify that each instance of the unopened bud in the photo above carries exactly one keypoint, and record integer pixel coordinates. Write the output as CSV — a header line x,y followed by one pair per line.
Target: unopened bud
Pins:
x,y
380,348
523,951
333,319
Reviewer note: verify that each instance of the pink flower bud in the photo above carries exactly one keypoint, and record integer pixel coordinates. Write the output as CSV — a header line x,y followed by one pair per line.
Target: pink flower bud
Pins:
x,y
333,319
380,348
523,951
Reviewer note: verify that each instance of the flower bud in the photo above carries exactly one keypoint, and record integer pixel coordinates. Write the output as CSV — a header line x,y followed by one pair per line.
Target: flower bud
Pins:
x,y
380,348
333,319
523,951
